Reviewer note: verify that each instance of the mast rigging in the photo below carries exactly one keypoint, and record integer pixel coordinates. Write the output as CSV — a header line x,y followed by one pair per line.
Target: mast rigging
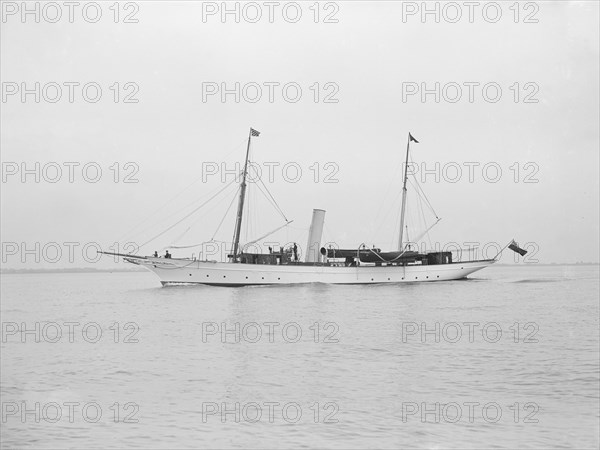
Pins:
x,y
410,138
240,212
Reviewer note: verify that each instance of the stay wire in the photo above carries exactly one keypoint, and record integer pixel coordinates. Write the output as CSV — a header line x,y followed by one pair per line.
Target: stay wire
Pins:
x,y
160,208
186,216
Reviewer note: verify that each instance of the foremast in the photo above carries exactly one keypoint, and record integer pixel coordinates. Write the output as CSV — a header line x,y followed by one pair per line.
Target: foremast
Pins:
x,y
240,211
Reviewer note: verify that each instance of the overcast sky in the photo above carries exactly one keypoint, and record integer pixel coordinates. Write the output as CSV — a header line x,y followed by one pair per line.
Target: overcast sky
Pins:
x,y
541,131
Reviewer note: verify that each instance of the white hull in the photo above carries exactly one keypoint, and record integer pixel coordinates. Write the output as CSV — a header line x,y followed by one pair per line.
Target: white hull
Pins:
x,y
186,271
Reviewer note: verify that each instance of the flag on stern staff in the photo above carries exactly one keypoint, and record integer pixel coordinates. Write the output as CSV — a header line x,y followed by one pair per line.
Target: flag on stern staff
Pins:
x,y
412,139
253,132
515,248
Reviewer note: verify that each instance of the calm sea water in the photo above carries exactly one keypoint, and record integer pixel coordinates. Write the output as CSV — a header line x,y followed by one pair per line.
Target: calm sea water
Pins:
x,y
507,359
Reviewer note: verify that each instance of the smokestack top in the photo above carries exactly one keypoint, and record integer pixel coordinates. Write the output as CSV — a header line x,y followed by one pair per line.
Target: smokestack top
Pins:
x,y
315,234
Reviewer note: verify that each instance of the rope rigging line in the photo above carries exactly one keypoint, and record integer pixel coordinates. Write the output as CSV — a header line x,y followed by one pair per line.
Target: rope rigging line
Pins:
x,y
421,197
271,202
420,191
274,202
232,182
250,217
187,215
422,215
226,212
214,193
394,205
160,208
270,198
424,220
422,194
266,235
178,238
384,198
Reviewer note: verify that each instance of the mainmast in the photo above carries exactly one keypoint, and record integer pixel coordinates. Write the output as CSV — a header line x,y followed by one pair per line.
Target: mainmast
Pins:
x,y
410,138
240,212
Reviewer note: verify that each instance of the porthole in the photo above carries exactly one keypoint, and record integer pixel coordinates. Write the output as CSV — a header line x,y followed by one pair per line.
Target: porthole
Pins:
x,y
206,275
